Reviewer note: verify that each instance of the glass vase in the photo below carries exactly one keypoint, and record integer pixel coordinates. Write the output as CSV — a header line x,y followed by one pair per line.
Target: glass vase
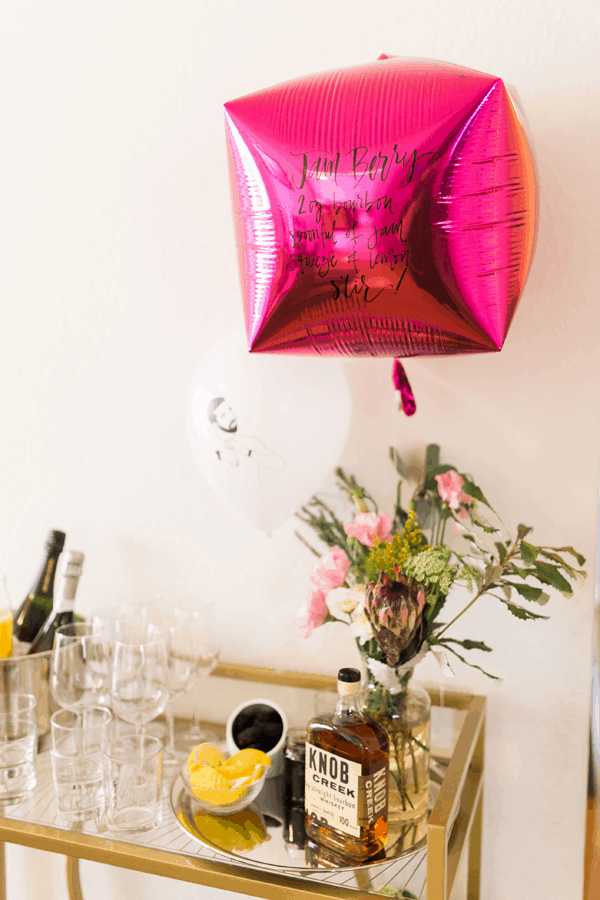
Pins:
x,y
405,713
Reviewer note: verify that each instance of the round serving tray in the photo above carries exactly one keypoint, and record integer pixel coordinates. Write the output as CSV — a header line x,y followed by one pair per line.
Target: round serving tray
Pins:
x,y
256,835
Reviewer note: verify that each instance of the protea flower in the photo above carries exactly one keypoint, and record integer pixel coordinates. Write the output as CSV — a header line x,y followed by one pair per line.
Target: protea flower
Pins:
x,y
395,611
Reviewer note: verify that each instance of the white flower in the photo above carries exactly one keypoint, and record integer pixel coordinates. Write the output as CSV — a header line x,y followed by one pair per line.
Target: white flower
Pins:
x,y
361,629
388,676
442,660
385,675
341,601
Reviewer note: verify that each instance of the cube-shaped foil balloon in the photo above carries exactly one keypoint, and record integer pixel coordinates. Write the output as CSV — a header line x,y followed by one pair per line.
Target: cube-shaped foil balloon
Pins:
x,y
381,210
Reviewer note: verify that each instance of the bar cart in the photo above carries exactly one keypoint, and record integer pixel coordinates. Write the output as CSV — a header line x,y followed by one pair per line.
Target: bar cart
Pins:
x,y
453,830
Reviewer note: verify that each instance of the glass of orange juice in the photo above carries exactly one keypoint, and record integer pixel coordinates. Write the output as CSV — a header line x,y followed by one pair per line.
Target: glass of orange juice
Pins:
x,y
6,632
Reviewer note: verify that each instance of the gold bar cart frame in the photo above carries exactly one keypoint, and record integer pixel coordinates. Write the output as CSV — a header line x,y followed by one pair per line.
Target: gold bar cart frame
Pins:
x,y
453,832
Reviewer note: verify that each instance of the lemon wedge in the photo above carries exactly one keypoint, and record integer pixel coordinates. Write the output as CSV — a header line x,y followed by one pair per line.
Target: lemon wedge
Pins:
x,y
207,778
209,785
245,762
205,755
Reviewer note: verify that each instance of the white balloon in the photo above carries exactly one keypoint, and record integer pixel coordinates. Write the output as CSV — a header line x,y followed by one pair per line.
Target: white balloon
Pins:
x,y
266,430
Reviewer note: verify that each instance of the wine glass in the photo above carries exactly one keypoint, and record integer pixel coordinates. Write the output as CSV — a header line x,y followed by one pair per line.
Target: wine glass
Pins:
x,y
206,652
81,666
182,647
141,607
139,685
112,622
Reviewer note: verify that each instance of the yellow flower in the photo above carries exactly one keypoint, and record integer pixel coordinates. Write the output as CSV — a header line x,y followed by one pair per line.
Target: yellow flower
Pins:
x,y
389,557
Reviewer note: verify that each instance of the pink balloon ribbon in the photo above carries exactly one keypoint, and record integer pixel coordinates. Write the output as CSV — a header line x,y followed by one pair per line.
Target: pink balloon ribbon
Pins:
x,y
401,383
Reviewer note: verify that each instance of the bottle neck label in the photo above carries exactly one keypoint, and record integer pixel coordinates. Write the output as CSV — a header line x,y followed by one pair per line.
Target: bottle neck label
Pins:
x,y
48,575
68,589
44,584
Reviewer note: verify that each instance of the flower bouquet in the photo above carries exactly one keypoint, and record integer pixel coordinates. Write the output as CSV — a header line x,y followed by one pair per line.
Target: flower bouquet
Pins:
x,y
389,579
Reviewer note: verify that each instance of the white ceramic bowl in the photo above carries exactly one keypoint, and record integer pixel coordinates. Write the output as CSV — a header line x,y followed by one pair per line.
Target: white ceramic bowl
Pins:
x,y
275,753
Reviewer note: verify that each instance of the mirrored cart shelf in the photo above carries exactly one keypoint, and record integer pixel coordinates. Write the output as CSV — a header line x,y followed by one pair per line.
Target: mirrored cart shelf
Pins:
x,y
453,831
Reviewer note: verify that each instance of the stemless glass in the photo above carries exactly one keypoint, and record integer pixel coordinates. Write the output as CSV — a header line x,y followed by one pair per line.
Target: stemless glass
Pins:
x,y
78,768
135,774
139,685
81,666
18,731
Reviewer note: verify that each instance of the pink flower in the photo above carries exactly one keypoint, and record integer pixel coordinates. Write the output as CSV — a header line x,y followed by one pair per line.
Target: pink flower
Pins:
x,y
331,570
368,526
315,615
450,489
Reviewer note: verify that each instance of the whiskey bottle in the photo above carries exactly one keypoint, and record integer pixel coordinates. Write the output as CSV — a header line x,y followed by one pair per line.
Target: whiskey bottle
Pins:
x,y
346,777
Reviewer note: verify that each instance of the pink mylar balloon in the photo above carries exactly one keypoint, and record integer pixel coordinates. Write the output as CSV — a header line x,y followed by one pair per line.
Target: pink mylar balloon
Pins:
x,y
382,210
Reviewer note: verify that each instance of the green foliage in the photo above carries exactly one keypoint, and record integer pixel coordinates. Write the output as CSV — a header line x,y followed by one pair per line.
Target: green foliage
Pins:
x,y
432,569
529,592
580,559
520,612
549,574
446,644
528,553
398,464
497,568
355,491
473,491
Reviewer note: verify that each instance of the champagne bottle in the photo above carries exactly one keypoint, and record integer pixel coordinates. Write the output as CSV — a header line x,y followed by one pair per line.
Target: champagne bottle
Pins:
x,y
37,605
62,614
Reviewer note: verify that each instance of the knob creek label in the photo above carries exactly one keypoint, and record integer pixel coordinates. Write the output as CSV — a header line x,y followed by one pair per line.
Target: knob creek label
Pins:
x,y
339,795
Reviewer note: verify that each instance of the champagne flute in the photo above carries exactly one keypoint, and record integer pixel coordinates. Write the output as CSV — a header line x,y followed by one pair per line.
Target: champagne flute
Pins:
x,y
139,685
81,666
207,656
182,640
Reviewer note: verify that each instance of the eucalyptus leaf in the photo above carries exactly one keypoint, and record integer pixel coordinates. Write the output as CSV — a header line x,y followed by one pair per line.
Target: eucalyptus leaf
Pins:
x,y
561,563
398,464
466,661
489,529
470,488
520,612
528,553
467,644
537,595
523,531
501,551
549,574
580,559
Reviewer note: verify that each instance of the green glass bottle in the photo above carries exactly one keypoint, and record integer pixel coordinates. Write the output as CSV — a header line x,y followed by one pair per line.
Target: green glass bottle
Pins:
x,y
37,605
62,614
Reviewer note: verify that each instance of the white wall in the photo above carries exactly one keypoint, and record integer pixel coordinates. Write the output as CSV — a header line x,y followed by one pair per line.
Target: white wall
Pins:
x,y
118,274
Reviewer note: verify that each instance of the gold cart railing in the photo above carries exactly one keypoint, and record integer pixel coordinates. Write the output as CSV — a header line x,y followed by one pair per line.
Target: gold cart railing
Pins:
x,y
453,836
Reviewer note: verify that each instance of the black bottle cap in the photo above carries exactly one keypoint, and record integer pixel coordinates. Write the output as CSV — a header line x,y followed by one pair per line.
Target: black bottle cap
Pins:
x,y
349,675
56,540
